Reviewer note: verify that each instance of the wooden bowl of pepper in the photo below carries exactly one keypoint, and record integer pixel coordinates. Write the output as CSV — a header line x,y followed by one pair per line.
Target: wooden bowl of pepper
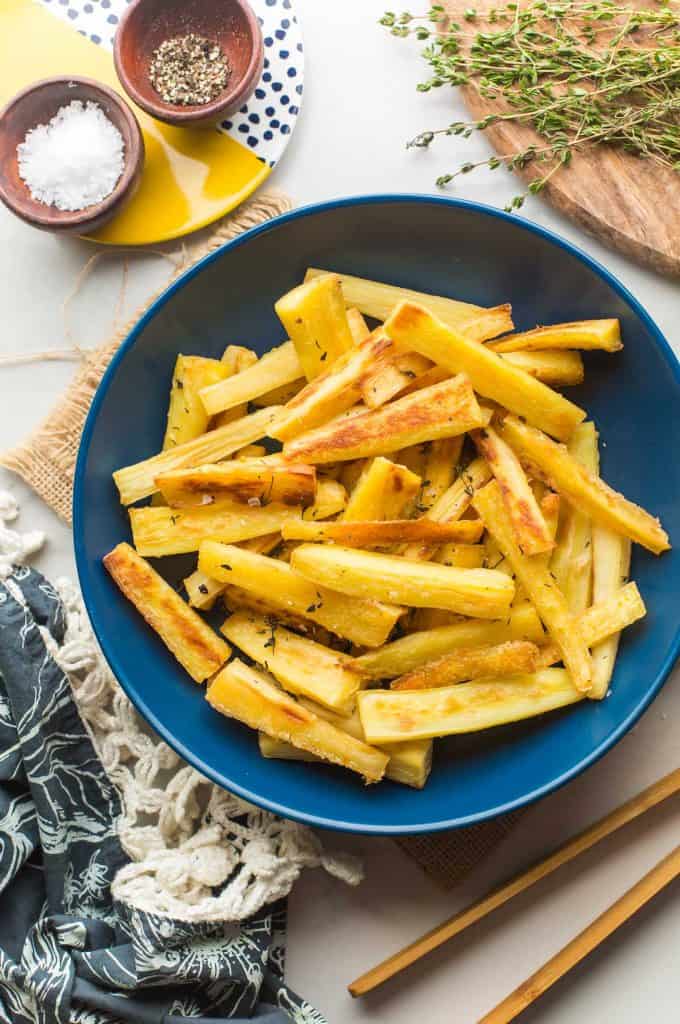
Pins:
x,y
189,62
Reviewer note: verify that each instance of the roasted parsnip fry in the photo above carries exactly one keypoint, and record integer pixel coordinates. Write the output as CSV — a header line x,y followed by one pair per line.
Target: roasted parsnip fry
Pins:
x,y
251,451
495,559
170,531
554,367
550,509
413,328
550,503
202,591
237,358
409,652
413,457
348,473
284,550
139,480
572,560
603,621
511,658
452,504
384,533
187,418
301,666
462,556
332,392
584,490
357,325
383,491
441,465
457,498
279,396
244,480
262,545
528,524
444,410
314,317
392,377
197,648
544,593
363,622
480,593
388,716
276,368
236,600
252,698
378,300
331,498
410,372
409,763
420,619
611,565
280,750
236,412
435,375
584,334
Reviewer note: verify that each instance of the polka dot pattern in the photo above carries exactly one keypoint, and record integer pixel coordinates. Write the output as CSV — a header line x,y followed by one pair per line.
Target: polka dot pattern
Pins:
x,y
266,122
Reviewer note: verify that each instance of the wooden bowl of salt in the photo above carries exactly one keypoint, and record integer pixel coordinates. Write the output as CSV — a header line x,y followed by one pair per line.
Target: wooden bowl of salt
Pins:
x,y
71,154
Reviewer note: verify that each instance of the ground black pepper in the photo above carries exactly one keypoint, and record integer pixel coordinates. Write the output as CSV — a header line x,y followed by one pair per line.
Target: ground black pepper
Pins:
x,y
189,70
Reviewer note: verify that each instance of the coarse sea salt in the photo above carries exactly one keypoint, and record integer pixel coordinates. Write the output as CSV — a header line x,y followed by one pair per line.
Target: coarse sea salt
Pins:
x,y
74,161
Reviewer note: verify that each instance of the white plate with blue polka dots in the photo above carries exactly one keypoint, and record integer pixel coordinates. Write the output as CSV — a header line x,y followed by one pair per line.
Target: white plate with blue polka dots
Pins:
x,y
192,176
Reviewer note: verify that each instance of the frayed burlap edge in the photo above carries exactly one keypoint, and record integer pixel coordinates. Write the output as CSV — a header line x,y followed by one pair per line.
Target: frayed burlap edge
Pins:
x,y
46,460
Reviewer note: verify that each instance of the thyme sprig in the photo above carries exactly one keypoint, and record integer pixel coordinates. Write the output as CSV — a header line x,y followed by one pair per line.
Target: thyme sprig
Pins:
x,y
575,72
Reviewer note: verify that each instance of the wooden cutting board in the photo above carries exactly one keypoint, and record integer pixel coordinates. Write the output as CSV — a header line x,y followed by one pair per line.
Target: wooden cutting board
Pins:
x,y
628,203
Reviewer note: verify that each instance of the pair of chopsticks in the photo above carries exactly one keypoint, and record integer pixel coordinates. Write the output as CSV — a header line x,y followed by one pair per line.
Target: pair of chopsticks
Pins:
x,y
575,951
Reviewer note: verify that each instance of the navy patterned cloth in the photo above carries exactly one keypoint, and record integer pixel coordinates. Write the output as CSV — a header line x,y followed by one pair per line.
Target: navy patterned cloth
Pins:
x,y
69,954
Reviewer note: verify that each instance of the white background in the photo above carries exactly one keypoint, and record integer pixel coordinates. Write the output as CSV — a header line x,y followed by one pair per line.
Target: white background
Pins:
x,y
360,107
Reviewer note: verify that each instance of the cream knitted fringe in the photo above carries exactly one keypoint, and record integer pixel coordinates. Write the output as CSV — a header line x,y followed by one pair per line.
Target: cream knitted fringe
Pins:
x,y
186,837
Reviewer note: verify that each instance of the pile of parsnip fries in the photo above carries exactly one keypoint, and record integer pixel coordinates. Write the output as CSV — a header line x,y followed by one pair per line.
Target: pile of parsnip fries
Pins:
x,y
431,552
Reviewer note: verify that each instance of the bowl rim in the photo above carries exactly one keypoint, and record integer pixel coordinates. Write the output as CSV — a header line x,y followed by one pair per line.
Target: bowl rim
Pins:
x,y
218,108
109,649
53,217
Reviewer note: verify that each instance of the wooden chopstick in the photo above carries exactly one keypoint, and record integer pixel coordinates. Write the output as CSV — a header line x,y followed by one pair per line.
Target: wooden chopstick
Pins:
x,y
650,797
591,937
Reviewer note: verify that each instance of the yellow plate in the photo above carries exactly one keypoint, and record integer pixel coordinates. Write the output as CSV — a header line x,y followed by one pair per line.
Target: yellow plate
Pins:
x,y
191,176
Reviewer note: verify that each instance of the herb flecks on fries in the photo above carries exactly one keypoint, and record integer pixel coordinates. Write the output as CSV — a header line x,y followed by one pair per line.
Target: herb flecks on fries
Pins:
x,y
409,534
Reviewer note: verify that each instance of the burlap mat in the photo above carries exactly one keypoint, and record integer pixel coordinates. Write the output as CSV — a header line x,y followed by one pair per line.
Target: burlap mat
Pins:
x,y
46,461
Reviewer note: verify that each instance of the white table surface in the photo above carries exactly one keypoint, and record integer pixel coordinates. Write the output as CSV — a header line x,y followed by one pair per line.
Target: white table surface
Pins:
x,y
359,109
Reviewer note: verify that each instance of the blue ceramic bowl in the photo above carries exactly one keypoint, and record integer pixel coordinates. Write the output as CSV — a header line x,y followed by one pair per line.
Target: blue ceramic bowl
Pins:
x,y
442,246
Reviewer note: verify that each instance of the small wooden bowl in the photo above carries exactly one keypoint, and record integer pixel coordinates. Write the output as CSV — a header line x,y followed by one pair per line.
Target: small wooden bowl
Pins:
x,y
230,23
38,104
